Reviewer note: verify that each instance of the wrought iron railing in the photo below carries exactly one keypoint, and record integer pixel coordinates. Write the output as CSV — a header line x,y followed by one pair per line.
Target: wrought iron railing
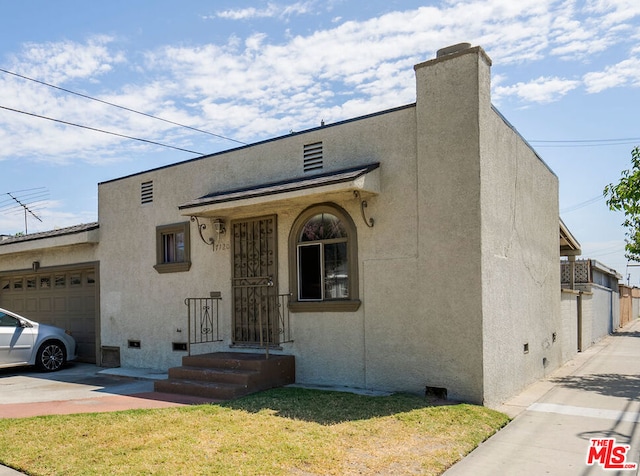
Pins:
x,y
278,332
273,325
203,321
284,323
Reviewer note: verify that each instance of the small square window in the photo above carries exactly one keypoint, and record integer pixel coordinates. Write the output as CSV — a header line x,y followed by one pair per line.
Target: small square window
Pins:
x,y
60,281
173,248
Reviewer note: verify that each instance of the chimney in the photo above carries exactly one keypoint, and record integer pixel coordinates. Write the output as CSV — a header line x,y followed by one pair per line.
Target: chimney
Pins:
x,y
452,104
453,115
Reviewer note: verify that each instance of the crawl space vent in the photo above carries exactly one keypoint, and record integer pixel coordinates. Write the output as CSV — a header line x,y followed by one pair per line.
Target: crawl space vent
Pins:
x,y
313,157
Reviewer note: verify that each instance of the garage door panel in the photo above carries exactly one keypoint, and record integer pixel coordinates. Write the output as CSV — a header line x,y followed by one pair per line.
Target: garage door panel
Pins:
x,y
16,304
59,304
44,304
76,304
90,305
31,305
65,299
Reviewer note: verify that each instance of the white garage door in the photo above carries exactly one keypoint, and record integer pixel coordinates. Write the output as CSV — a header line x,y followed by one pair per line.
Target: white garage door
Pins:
x,y
63,297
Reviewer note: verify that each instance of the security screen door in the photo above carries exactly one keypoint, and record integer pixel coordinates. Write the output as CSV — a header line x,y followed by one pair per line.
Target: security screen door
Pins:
x,y
255,284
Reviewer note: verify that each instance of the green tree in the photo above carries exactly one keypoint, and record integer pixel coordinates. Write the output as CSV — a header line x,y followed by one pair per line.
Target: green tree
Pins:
x,y
625,196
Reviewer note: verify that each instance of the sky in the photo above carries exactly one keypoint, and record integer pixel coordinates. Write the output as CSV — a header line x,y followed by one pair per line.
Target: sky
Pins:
x,y
159,82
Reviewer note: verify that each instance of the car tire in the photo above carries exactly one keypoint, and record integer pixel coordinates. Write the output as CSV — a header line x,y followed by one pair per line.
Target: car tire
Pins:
x,y
51,356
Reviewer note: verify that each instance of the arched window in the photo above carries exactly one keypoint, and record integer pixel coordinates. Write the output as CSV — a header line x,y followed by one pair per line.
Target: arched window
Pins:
x,y
323,260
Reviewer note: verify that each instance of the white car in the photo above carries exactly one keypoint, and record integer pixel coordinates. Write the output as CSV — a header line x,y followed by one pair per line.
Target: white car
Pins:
x,y
25,342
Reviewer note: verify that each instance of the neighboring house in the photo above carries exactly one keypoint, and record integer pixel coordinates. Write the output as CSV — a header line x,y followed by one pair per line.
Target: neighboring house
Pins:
x,y
53,277
596,288
415,247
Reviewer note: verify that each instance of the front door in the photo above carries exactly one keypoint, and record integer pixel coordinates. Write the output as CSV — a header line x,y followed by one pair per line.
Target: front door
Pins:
x,y
254,281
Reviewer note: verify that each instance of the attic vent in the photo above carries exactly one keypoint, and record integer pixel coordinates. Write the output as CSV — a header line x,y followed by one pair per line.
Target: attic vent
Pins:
x,y
146,192
313,157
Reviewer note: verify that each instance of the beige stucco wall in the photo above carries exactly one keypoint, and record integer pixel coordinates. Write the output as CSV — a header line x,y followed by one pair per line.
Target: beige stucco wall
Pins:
x,y
520,256
569,316
330,348
460,270
494,209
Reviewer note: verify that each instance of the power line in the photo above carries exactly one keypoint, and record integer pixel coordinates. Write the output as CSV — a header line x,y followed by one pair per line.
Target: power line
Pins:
x,y
590,140
577,206
100,130
585,142
120,107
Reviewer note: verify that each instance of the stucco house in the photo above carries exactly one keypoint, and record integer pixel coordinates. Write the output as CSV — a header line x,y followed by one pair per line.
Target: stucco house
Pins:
x,y
411,248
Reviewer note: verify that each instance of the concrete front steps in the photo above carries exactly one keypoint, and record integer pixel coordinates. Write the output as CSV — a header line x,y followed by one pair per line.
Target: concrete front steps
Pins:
x,y
228,375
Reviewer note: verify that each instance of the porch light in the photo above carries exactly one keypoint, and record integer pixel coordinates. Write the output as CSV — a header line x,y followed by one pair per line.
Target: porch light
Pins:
x,y
216,225
219,227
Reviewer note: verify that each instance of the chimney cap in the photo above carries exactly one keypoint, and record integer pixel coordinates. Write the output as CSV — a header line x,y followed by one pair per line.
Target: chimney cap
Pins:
x,y
452,49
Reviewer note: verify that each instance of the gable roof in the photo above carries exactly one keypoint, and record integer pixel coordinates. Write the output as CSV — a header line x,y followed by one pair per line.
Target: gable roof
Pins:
x,y
50,234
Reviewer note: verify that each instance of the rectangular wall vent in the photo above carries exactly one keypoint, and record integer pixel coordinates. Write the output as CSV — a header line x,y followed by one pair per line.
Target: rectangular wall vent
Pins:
x,y
146,192
134,344
313,157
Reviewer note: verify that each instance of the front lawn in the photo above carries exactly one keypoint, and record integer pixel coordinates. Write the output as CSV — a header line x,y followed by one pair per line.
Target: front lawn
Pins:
x,y
278,432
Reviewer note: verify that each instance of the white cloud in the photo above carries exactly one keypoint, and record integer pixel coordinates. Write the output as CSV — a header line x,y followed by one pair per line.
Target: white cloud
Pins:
x,y
251,12
272,10
251,87
613,12
542,89
624,73
62,61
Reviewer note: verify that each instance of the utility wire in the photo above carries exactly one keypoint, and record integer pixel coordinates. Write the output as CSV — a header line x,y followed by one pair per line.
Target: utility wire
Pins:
x,y
590,140
100,130
561,143
585,142
582,204
119,106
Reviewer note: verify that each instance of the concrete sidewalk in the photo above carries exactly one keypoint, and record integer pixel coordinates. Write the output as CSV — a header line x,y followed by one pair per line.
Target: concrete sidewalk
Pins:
x,y
596,395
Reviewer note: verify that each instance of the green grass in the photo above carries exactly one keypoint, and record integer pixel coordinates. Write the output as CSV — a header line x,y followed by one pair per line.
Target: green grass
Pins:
x,y
278,432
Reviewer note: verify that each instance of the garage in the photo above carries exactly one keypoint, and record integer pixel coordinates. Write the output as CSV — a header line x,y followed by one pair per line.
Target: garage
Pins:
x,y
65,296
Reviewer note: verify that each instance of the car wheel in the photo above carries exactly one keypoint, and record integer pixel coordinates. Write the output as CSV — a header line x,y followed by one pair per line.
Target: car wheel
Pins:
x,y
51,356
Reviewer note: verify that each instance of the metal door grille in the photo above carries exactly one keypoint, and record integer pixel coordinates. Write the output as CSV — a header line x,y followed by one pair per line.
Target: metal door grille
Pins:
x,y
255,290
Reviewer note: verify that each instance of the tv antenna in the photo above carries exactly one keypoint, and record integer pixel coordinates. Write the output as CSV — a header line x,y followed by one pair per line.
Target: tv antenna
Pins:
x,y
25,201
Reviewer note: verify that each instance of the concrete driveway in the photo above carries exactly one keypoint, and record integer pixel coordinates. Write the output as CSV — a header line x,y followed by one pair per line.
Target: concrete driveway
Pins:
x,y
80,388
